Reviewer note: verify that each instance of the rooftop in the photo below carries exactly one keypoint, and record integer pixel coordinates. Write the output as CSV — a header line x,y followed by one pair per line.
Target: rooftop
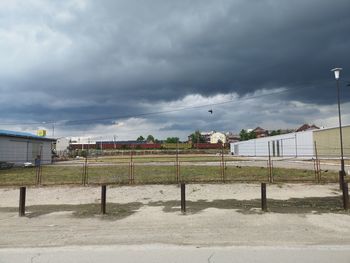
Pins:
x,y
25,135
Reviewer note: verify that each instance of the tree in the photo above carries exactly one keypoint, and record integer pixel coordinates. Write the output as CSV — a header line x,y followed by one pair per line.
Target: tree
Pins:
x,y
172,140
244,135
252,135
272,133
150,138
140,139
197,137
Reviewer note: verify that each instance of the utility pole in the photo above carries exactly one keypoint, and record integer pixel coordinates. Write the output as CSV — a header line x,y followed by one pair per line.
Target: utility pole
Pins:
x,y
114,141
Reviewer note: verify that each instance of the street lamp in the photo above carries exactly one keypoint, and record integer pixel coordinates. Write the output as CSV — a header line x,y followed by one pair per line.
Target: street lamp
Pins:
x,y
343,183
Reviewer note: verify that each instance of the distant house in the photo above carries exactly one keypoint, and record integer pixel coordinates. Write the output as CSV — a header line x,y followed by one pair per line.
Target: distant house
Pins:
x,y
307,127
260,132
204,135
231,137
207,136
218,137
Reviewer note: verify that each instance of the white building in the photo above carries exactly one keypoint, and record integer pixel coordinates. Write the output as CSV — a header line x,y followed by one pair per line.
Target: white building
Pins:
x,y
62,145
207,135
21,147
297,144
294,144
217,137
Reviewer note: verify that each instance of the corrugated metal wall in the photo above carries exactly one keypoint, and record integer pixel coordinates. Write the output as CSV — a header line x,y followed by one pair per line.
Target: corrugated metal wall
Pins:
x,y
286,145
18,150
328,142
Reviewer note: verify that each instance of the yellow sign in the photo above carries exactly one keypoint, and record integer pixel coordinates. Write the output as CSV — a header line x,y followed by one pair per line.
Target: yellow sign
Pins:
x,y
41,133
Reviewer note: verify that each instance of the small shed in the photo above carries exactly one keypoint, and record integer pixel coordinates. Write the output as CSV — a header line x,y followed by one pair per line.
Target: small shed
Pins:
x,y
20,147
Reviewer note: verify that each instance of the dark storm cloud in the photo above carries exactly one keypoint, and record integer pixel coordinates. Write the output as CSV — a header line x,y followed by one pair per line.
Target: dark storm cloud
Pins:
x,y
72,60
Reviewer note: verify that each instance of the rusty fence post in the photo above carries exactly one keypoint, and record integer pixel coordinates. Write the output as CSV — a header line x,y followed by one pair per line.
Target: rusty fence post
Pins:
x,y
177,166
183,197
271,179
317,165
345,190
341,179
22,201
84,177
263,197
131,169
103,199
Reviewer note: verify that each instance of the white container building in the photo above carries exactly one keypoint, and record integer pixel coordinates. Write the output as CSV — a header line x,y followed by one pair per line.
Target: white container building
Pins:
x,y
21,147
297,144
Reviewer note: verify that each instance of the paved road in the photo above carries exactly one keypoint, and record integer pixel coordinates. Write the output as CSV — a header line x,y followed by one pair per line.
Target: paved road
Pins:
x,y
172,254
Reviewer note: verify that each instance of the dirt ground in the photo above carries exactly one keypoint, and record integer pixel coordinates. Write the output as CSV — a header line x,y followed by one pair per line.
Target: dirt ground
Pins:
x,y
217,215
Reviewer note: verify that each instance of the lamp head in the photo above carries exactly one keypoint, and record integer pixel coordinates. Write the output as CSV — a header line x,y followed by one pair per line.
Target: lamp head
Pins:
x,y
336,72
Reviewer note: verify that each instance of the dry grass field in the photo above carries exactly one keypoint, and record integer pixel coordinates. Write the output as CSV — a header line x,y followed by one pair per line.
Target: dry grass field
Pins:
x,y
160,169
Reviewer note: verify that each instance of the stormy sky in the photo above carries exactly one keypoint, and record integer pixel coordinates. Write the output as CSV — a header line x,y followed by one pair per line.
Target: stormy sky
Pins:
x,y
128,68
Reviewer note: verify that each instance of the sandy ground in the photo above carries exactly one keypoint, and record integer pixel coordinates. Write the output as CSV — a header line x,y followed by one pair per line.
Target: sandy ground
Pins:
x,y
218,215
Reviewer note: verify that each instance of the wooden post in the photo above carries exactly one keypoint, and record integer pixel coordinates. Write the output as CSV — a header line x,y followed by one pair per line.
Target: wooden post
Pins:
x,y
263,197
345,190
183,198
103,199
22,201
346,194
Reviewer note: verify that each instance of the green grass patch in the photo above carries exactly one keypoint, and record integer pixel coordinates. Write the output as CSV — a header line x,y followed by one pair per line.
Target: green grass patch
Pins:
x,y
160,174
116,174
200,173
51,174
240,173
18,176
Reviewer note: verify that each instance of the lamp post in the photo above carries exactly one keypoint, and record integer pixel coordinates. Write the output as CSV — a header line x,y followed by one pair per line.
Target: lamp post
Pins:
x,y
53,129
342,181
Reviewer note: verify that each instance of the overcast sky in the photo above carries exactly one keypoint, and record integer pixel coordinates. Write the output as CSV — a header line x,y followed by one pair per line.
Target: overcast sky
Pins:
x,y
97,68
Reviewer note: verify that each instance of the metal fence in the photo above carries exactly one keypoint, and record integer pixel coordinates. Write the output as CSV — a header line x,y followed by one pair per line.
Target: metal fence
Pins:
x,y
170,168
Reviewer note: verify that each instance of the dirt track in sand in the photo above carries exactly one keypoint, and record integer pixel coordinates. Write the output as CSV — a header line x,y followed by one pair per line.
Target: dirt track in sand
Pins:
x,y
218,215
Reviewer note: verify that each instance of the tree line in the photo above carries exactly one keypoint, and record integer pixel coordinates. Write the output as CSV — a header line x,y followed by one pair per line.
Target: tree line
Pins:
x,y
195,137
